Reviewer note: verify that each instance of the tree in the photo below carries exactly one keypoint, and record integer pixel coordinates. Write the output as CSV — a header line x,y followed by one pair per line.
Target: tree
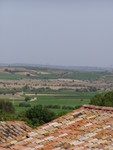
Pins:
x,y
97,100
27,99
39,115
103,99
7,107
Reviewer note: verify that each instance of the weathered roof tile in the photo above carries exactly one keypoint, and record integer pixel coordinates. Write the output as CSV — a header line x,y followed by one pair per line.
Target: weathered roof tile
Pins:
x,y
90,127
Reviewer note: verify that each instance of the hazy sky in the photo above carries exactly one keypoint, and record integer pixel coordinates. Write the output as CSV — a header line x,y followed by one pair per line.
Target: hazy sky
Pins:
x,y
57,32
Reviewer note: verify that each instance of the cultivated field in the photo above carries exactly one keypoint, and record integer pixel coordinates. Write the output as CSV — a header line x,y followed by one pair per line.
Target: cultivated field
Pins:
x,y
60,88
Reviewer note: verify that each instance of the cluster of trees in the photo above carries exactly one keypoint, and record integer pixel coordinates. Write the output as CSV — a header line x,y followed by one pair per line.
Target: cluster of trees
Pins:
x,y
24,105
59,107
89,89
34,116
92,89
6,107
52,106
12,91
27,89
68,107
7,111
39,115
103,99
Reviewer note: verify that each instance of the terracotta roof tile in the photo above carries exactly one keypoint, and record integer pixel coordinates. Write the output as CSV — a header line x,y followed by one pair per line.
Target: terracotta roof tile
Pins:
x,y
10,131
90,127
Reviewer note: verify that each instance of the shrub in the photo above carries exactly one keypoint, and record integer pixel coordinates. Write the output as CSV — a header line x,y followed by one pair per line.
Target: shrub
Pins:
x,y
27,99
39,115
52,106
7,107
24,105
68,107
103,99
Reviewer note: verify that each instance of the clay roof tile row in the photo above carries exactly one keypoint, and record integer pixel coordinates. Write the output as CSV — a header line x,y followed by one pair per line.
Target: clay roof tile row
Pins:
x,y
90,127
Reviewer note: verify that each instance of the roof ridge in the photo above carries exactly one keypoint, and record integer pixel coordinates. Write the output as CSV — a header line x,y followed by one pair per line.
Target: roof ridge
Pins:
x,y
98,107
16,121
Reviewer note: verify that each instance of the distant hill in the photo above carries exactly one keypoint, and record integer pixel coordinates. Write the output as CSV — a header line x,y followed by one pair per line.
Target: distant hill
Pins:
x,y
74,68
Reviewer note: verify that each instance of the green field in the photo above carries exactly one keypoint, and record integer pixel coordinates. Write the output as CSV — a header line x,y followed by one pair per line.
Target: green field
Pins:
x,y
61,97
56,75
61,101
72,100
11,76
84,75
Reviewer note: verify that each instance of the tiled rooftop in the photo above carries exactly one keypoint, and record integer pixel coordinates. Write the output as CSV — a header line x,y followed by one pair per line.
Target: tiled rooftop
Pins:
x,y
87,128
12,130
